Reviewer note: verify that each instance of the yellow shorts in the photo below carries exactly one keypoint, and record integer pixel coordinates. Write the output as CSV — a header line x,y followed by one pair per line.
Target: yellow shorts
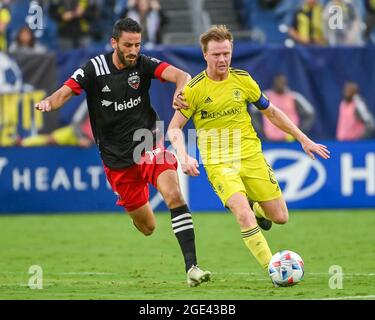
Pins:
x,y
252,176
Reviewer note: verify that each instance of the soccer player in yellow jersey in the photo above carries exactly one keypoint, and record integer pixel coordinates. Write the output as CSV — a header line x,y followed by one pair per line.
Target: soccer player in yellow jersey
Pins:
x,y
231,152
5,19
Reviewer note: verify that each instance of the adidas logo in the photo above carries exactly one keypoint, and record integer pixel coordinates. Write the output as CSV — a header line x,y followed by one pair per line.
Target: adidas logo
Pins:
x,y
106,89
208,100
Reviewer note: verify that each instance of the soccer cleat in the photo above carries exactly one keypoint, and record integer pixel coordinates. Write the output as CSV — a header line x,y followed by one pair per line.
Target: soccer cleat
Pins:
x,y
196,276
263,223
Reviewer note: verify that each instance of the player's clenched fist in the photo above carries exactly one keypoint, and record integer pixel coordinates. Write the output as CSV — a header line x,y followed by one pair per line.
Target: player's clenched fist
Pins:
x,y
179,101
44,106
190,166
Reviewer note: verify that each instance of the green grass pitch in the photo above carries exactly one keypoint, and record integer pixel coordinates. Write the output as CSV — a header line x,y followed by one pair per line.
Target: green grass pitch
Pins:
x,y
102,256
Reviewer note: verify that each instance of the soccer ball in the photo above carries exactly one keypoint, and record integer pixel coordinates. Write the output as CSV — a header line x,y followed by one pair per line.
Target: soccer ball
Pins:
x,y
286,268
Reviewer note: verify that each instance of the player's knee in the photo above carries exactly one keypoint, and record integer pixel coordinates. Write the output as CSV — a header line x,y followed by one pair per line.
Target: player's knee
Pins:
x,y
243,216
282,217
148,230
145,229
173,198
244,220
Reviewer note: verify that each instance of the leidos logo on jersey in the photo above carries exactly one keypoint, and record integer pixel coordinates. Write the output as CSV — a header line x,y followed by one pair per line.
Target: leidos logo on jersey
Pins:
x,y
127,104
124,105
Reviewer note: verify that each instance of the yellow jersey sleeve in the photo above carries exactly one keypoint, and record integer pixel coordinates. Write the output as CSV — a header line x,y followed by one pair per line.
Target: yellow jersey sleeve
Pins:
x,y
255,95
189,97
253,90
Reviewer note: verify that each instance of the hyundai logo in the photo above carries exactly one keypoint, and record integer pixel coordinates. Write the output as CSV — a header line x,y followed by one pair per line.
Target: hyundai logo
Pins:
x,y
294,175
3,163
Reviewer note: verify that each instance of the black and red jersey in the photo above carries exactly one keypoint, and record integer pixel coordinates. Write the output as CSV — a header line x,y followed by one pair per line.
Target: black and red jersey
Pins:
x,y
119,106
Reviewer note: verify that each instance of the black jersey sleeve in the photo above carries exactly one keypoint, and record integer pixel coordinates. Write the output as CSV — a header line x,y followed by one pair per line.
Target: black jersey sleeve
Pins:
x,y
154,67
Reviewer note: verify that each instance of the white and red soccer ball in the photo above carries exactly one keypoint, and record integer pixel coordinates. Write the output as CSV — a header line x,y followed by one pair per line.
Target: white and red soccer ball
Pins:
x,y
286,268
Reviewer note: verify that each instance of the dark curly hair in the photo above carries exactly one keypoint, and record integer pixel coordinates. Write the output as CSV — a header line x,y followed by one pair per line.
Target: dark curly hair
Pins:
x,y
126,25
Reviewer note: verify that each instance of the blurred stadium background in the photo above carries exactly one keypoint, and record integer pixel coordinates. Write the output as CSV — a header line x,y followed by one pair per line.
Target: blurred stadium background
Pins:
x,y
88,256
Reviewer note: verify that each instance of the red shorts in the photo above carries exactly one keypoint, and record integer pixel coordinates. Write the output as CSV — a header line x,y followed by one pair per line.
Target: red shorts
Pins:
x,y
131,184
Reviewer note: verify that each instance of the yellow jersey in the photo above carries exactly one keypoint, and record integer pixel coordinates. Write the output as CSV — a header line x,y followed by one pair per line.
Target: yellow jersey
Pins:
x,y
4,19
219,112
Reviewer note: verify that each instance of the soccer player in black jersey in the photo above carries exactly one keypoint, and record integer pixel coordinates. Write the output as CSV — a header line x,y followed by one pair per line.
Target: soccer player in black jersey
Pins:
x,y
117,87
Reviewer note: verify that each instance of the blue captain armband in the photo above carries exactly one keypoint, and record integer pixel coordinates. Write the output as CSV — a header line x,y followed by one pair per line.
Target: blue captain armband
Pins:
x,y
263,103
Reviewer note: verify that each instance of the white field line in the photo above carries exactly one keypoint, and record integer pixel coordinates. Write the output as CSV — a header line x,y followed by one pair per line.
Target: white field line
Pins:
x,y
87,273
169,292
371,296
218,273
306,273
252,277
84,273
346,274
46,284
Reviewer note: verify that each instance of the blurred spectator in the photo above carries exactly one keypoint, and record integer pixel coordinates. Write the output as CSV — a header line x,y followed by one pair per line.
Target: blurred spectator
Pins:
x,y
285,10
293,104
355,121
307,24
150,16
105,15
25,42
350,32
269,4
73,18
4,21
370,18
78,133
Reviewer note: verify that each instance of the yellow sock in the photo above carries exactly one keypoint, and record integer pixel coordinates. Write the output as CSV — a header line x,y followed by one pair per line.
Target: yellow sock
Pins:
x,y
258,210
35,141
258,245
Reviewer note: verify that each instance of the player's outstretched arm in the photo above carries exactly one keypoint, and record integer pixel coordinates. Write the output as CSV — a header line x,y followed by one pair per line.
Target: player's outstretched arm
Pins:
x,y
280,120
176,136
180,78
55,100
